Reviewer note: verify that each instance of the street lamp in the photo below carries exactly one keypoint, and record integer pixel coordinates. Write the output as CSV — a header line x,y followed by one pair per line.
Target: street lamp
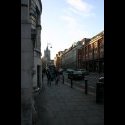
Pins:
x,y
49,44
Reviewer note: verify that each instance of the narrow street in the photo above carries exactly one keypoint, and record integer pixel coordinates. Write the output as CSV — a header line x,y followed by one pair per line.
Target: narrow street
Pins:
x,y
62,105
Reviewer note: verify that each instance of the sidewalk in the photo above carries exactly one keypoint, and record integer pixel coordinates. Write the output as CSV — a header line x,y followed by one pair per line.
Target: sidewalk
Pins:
x,y
62,105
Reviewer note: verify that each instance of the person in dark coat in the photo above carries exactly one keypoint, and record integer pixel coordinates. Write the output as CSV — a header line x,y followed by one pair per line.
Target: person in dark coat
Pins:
x,y
56,77
48,73
43,73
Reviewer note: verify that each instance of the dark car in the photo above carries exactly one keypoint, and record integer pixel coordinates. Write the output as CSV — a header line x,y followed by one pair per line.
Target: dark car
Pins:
x,y
76,75
69,71
84,71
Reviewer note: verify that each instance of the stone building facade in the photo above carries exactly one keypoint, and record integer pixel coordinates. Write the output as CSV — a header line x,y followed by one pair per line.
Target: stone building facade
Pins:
x,y
30,55
80,53
36,26
70,56
86,54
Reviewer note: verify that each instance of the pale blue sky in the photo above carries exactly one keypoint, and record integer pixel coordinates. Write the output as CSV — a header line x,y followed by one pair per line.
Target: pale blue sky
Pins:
x,y
67,21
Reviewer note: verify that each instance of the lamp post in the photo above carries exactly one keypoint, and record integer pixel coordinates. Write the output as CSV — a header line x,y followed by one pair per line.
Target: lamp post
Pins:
x,y
49,44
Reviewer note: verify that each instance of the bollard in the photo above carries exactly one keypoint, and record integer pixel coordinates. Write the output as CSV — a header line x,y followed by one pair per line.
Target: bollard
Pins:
x,y
71,83
86,87
99,92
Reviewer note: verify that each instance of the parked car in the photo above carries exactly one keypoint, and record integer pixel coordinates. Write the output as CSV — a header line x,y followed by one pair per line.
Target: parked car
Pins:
x,y
84,71
70,71
76,75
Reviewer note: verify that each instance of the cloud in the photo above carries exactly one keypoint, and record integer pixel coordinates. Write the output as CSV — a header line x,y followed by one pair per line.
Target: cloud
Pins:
x,y
76,15
80,7
75,30
90,14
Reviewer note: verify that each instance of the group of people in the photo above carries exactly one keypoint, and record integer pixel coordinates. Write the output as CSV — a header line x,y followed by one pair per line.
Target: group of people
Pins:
x,y
52,75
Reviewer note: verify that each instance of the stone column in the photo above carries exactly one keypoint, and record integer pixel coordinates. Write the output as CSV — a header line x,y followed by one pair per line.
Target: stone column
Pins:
x,y
26,65
37,56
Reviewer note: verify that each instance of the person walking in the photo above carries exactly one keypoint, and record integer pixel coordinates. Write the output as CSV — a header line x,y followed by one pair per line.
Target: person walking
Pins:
x,y
43,73
48,73
56,77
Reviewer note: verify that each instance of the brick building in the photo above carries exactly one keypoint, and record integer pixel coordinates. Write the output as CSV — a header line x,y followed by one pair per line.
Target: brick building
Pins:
x,y
92,54
58,60
69,57
87,53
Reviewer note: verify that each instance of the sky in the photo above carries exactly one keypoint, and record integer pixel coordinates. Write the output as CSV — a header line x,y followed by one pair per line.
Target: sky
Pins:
x,y
67,21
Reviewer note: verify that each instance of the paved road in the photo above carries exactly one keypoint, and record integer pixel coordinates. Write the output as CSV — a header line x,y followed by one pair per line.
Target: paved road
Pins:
x,y
92,80
62,105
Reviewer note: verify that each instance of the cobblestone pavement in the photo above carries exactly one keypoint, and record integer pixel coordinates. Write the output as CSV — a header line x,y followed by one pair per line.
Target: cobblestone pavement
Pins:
x,y
62,105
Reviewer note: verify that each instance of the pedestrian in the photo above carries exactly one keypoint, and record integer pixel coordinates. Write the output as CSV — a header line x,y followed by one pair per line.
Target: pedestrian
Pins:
x,y
48,73
56,77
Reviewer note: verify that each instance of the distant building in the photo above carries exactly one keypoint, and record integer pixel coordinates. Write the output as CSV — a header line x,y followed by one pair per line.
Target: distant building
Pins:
x,y
70,56
58,60
43,63
47,56
80,63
